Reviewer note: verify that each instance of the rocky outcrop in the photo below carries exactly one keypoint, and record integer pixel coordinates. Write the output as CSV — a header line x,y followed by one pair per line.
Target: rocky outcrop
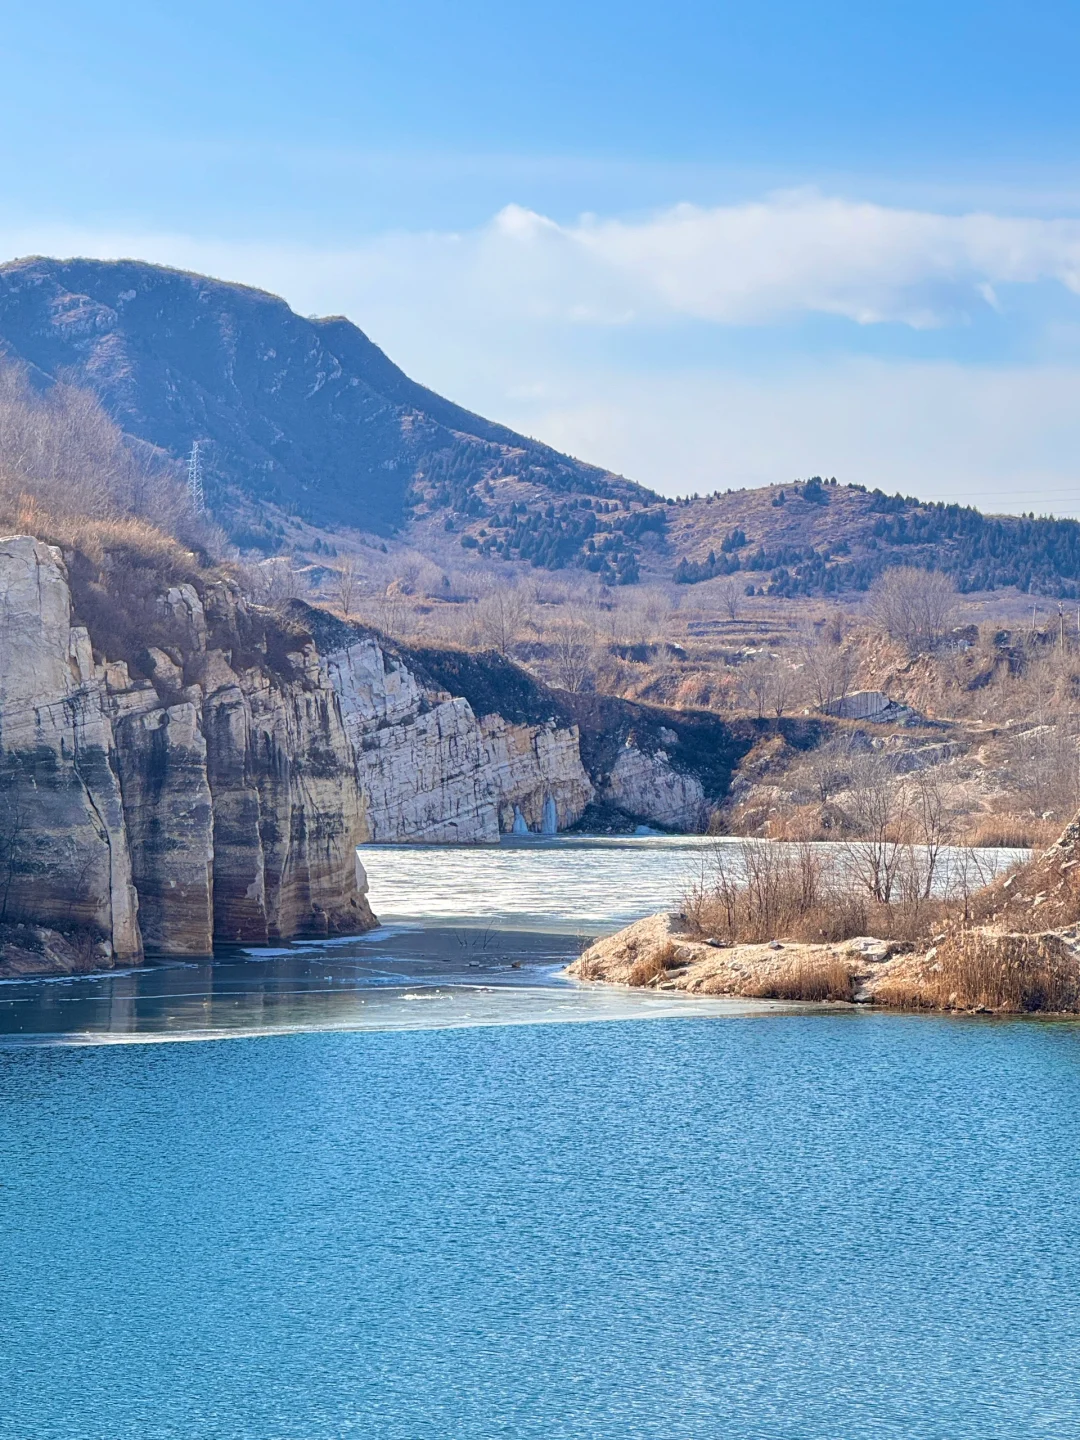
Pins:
x,y
647,785
663,952
161,758
976,969
216,801
64,857
430,769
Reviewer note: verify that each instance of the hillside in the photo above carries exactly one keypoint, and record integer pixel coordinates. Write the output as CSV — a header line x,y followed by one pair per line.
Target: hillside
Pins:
x,y
306,414
308,418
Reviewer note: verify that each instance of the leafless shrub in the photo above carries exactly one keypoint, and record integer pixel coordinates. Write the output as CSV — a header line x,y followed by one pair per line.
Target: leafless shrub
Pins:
x,y
574,650
754,891
828,665
731,598
62,460
501,615
347,585
767,684
915,607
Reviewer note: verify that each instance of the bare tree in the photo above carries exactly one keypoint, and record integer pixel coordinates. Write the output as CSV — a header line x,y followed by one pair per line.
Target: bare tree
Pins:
x,y
768,683
393,611
931,819
878,805
574,653
913,606
731,598
828,767
756,683
828,665
501,614
347,583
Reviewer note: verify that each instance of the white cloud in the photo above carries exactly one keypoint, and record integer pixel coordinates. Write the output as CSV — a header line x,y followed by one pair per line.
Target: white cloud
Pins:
x,y
497,318
743,264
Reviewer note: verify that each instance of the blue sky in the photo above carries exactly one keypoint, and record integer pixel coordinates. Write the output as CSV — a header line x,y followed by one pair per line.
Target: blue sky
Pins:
x,y
705,244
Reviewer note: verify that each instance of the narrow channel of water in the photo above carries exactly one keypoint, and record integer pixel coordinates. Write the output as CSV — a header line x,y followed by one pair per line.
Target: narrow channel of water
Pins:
x,y
469,936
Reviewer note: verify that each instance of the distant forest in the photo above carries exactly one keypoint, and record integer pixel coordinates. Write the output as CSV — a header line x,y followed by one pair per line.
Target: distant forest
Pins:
x,y
980,552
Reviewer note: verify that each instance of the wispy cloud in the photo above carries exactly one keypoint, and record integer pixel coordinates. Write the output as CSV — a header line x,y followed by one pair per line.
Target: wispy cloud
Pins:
x,y
499,317
754,263
745,264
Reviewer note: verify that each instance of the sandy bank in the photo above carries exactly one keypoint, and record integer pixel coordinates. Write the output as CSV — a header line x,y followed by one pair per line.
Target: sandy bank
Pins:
x,y
974,970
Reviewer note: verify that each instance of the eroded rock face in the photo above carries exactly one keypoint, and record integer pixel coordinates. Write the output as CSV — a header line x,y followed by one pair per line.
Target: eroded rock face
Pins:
x,y
431,771
64,858
302,819
169,815
648,786
210,804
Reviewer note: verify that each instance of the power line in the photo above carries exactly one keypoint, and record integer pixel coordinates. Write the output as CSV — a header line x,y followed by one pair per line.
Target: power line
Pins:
x,y
195,480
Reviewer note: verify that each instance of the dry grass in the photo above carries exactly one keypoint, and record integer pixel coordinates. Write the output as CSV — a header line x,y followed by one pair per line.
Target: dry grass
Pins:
x,y
1012,832
651,967
984,970
118,510
588,967
760,892
824,978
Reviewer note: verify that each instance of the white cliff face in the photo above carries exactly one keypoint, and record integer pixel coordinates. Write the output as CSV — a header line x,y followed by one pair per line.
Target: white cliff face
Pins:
x,y
649,787
64,858
431,771
225,808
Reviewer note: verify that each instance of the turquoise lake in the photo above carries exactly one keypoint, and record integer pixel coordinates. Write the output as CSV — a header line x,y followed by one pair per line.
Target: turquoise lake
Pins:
x,y
429,1220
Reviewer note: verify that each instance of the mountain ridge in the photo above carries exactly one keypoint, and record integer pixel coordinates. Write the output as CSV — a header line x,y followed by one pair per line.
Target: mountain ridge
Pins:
x,y
309,418
278,400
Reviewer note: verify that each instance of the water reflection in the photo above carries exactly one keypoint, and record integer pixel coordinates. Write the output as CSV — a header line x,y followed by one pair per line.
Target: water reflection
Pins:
x,y
471,937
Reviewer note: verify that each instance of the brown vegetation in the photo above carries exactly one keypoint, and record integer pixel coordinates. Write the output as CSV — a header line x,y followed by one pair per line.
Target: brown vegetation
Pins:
x,y
987,970
808,977
751,891
651,965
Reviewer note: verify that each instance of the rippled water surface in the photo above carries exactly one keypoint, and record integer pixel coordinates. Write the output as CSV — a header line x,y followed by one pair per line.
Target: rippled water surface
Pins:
x,y
793,1227
404,1209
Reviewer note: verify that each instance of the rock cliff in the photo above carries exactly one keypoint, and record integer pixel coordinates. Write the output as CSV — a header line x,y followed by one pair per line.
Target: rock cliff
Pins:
x,y
214,799
64,855
203,772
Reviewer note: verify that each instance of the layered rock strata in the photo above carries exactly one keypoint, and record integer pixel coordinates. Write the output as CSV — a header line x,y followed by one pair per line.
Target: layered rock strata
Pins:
x,y
204,773
64,857
216,801
430,769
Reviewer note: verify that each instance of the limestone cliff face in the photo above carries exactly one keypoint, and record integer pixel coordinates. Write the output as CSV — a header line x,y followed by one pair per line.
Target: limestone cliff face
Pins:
x,y
245,809
64,857
161,756
647,785
217,801
431,770
287,805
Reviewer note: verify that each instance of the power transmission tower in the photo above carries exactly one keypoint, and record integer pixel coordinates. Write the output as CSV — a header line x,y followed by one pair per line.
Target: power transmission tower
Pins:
x,y
195,481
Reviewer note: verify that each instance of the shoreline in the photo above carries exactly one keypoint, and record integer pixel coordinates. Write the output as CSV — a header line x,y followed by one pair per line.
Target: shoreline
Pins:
x,y
663,954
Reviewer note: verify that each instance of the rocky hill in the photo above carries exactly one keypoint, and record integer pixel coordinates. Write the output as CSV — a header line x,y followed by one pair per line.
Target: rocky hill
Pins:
x,y
205,777
308,418
307,414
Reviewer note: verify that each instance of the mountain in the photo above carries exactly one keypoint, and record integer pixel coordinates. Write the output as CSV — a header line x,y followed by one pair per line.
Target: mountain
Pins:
x,y
309,418
307,414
